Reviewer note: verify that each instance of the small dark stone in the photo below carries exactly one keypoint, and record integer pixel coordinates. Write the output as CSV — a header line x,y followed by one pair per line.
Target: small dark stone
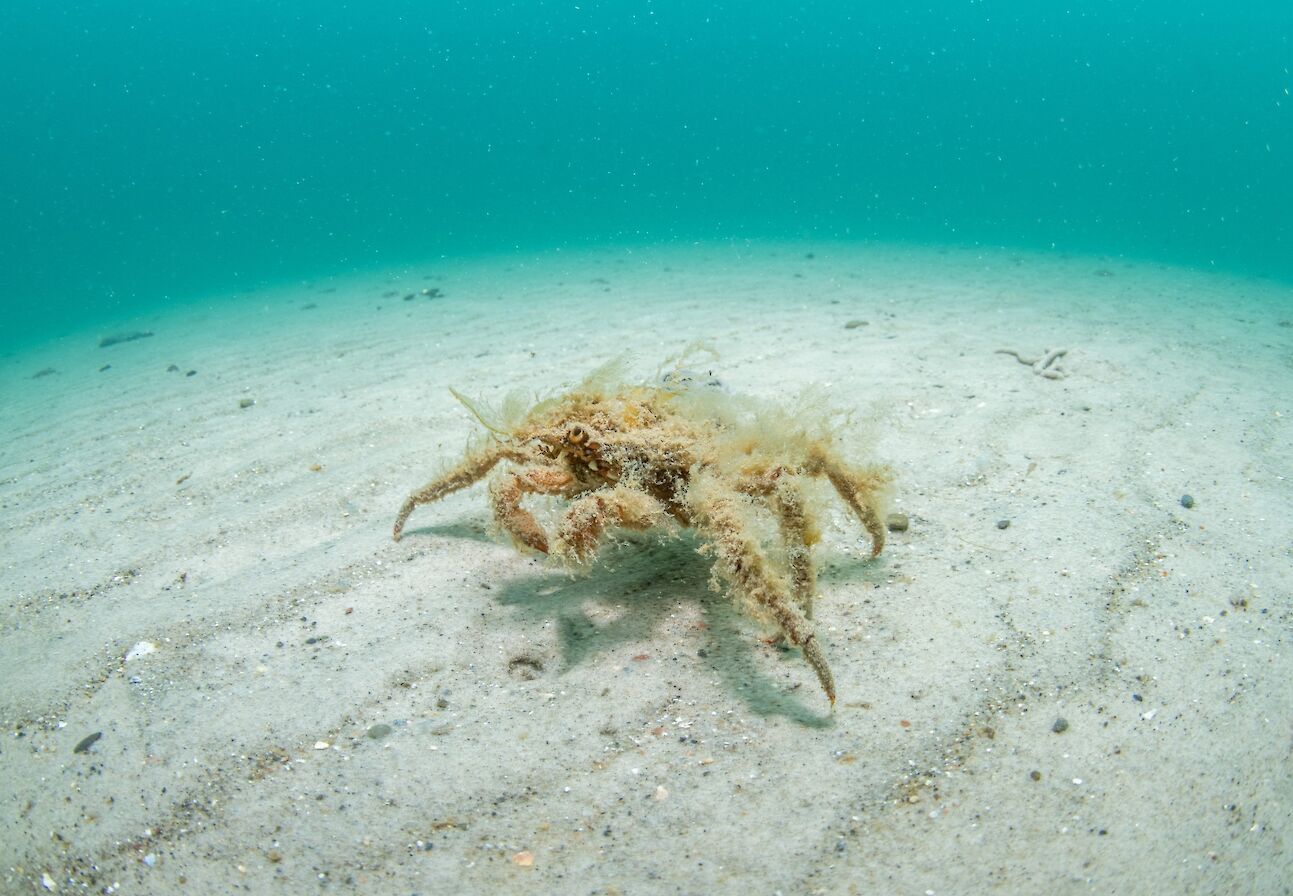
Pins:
x,y
1061,725
410,297
191,373
83,746
854,324
105,367
172,369
377,732
897,522
1187,501
1003,524
1137,698
702,653
118,338
1036,776
245,403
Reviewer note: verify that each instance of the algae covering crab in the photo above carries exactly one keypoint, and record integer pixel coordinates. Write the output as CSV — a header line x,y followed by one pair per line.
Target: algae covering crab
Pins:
x,y
675,453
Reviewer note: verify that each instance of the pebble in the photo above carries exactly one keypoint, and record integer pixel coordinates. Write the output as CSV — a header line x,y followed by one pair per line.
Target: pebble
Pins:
x,y
377,732
86,742
150,860
854,324
245,403
1003,524
897,522
1036,776
1187,501
1061,725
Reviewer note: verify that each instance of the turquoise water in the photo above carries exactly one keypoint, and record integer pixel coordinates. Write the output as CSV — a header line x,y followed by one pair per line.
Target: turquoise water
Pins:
x,y
161,152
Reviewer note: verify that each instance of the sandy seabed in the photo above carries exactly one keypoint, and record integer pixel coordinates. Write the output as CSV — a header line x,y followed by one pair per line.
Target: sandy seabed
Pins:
x,y
1096,697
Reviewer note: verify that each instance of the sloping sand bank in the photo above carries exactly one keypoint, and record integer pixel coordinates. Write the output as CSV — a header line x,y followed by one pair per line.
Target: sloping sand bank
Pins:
x,y
1058,679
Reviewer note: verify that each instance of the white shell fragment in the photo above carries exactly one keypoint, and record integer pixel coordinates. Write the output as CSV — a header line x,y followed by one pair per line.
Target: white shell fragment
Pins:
x,y
143,648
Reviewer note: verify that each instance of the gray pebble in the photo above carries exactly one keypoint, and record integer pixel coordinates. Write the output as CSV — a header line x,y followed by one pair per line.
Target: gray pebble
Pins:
x,y
1187,501
897,522
86,742
1061,725
1003,524
854,324
377,732
245,403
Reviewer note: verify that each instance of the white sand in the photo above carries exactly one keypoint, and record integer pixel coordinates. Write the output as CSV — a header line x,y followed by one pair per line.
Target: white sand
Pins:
x,y
662,747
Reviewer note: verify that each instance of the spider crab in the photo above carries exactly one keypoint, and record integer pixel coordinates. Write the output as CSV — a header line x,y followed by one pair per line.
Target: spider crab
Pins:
x,y
635,457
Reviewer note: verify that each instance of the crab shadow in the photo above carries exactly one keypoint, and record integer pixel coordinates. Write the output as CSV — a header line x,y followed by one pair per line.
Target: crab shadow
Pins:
x,y
634,588
464,531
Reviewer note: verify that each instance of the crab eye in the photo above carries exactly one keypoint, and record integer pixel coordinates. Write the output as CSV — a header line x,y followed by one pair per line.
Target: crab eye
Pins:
x,y
577,435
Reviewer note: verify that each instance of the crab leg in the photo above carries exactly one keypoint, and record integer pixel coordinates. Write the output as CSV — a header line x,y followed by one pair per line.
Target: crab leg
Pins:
x,y
860,489
741,560
799,531
472,470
